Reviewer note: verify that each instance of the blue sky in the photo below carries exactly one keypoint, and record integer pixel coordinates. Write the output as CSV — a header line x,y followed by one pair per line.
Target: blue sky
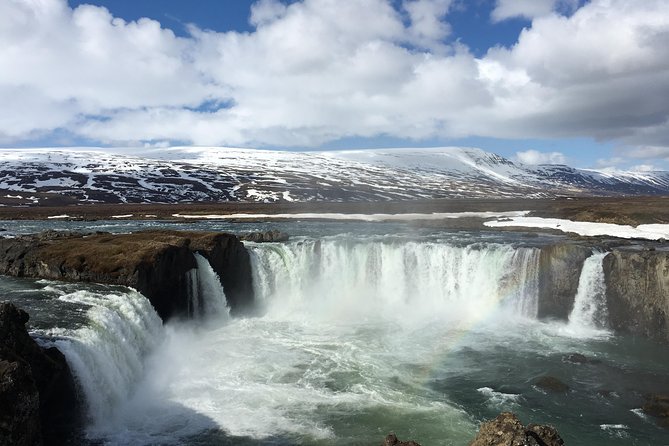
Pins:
x,y
581,82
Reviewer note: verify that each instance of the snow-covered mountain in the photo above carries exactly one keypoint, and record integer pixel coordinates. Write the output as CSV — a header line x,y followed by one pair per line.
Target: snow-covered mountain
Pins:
x,y
189,174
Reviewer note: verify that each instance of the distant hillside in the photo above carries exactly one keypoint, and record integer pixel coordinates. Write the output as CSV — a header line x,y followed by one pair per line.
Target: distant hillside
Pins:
x,y
193,174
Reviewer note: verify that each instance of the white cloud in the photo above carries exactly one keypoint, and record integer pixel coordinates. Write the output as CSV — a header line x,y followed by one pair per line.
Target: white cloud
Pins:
x,y
266,11
529,9
537,157
428,28
647,152
319,70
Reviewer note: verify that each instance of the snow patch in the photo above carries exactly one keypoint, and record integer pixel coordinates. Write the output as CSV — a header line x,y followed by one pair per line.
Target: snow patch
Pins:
x,y
589,229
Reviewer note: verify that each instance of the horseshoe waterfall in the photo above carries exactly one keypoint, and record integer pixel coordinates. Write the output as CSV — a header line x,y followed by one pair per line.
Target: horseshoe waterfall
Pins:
x,y
352,336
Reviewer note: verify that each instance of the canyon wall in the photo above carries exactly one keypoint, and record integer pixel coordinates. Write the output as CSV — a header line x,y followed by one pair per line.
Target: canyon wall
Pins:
x,y
153,262
637,291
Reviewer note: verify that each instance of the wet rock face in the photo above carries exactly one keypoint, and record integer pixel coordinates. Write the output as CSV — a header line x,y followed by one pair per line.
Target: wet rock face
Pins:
x,y
19,403
392,440
637,289
231,261
267,236
37,391
657,406
153,262
551,384
507,430
559,272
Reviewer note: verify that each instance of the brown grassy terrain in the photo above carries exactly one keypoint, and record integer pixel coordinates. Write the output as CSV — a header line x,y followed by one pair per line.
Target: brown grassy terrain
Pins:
x,y
108,254
626,210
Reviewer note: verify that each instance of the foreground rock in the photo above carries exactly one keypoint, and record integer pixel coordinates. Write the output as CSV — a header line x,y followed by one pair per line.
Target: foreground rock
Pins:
x,y
153,262
551,384
392,440
637,284
37,392
657,406
507,430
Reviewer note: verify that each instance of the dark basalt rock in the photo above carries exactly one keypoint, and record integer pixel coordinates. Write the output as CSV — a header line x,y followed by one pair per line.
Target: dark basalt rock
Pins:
x,y
551,384
392,440
37,392
637,284
153,262
657,406
575,358
267,236
559,271
19,402
508,430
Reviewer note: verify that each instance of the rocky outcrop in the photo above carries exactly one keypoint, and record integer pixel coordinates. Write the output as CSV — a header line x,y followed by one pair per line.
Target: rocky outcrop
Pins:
x,y
273,235
551,384
230,260
559,271
507,430
153,262
637,289
392,440
657,406
37,391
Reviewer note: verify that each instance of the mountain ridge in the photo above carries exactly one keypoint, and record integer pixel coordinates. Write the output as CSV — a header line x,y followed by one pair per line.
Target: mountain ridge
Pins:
x,y
212,174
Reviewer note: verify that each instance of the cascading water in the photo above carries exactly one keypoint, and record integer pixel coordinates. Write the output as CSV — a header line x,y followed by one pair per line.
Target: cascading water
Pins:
x,y
207,297
359,336
523,278
590,311
347,279
107,355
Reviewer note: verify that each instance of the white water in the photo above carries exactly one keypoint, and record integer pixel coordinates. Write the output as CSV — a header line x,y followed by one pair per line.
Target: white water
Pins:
x,y
354,337
107,356
207,297
590,313
340,279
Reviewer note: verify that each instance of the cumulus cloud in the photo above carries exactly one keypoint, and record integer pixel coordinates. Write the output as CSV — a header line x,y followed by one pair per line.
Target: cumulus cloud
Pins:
x,y
529,9
316,71
536,157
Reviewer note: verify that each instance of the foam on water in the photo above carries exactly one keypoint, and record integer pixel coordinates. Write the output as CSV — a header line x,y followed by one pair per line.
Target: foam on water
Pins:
x,y
501,400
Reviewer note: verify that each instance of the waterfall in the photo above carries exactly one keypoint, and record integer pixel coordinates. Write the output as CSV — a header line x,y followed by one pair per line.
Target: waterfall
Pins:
x,y
590,310
206,295
107,355
337,278
524,275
